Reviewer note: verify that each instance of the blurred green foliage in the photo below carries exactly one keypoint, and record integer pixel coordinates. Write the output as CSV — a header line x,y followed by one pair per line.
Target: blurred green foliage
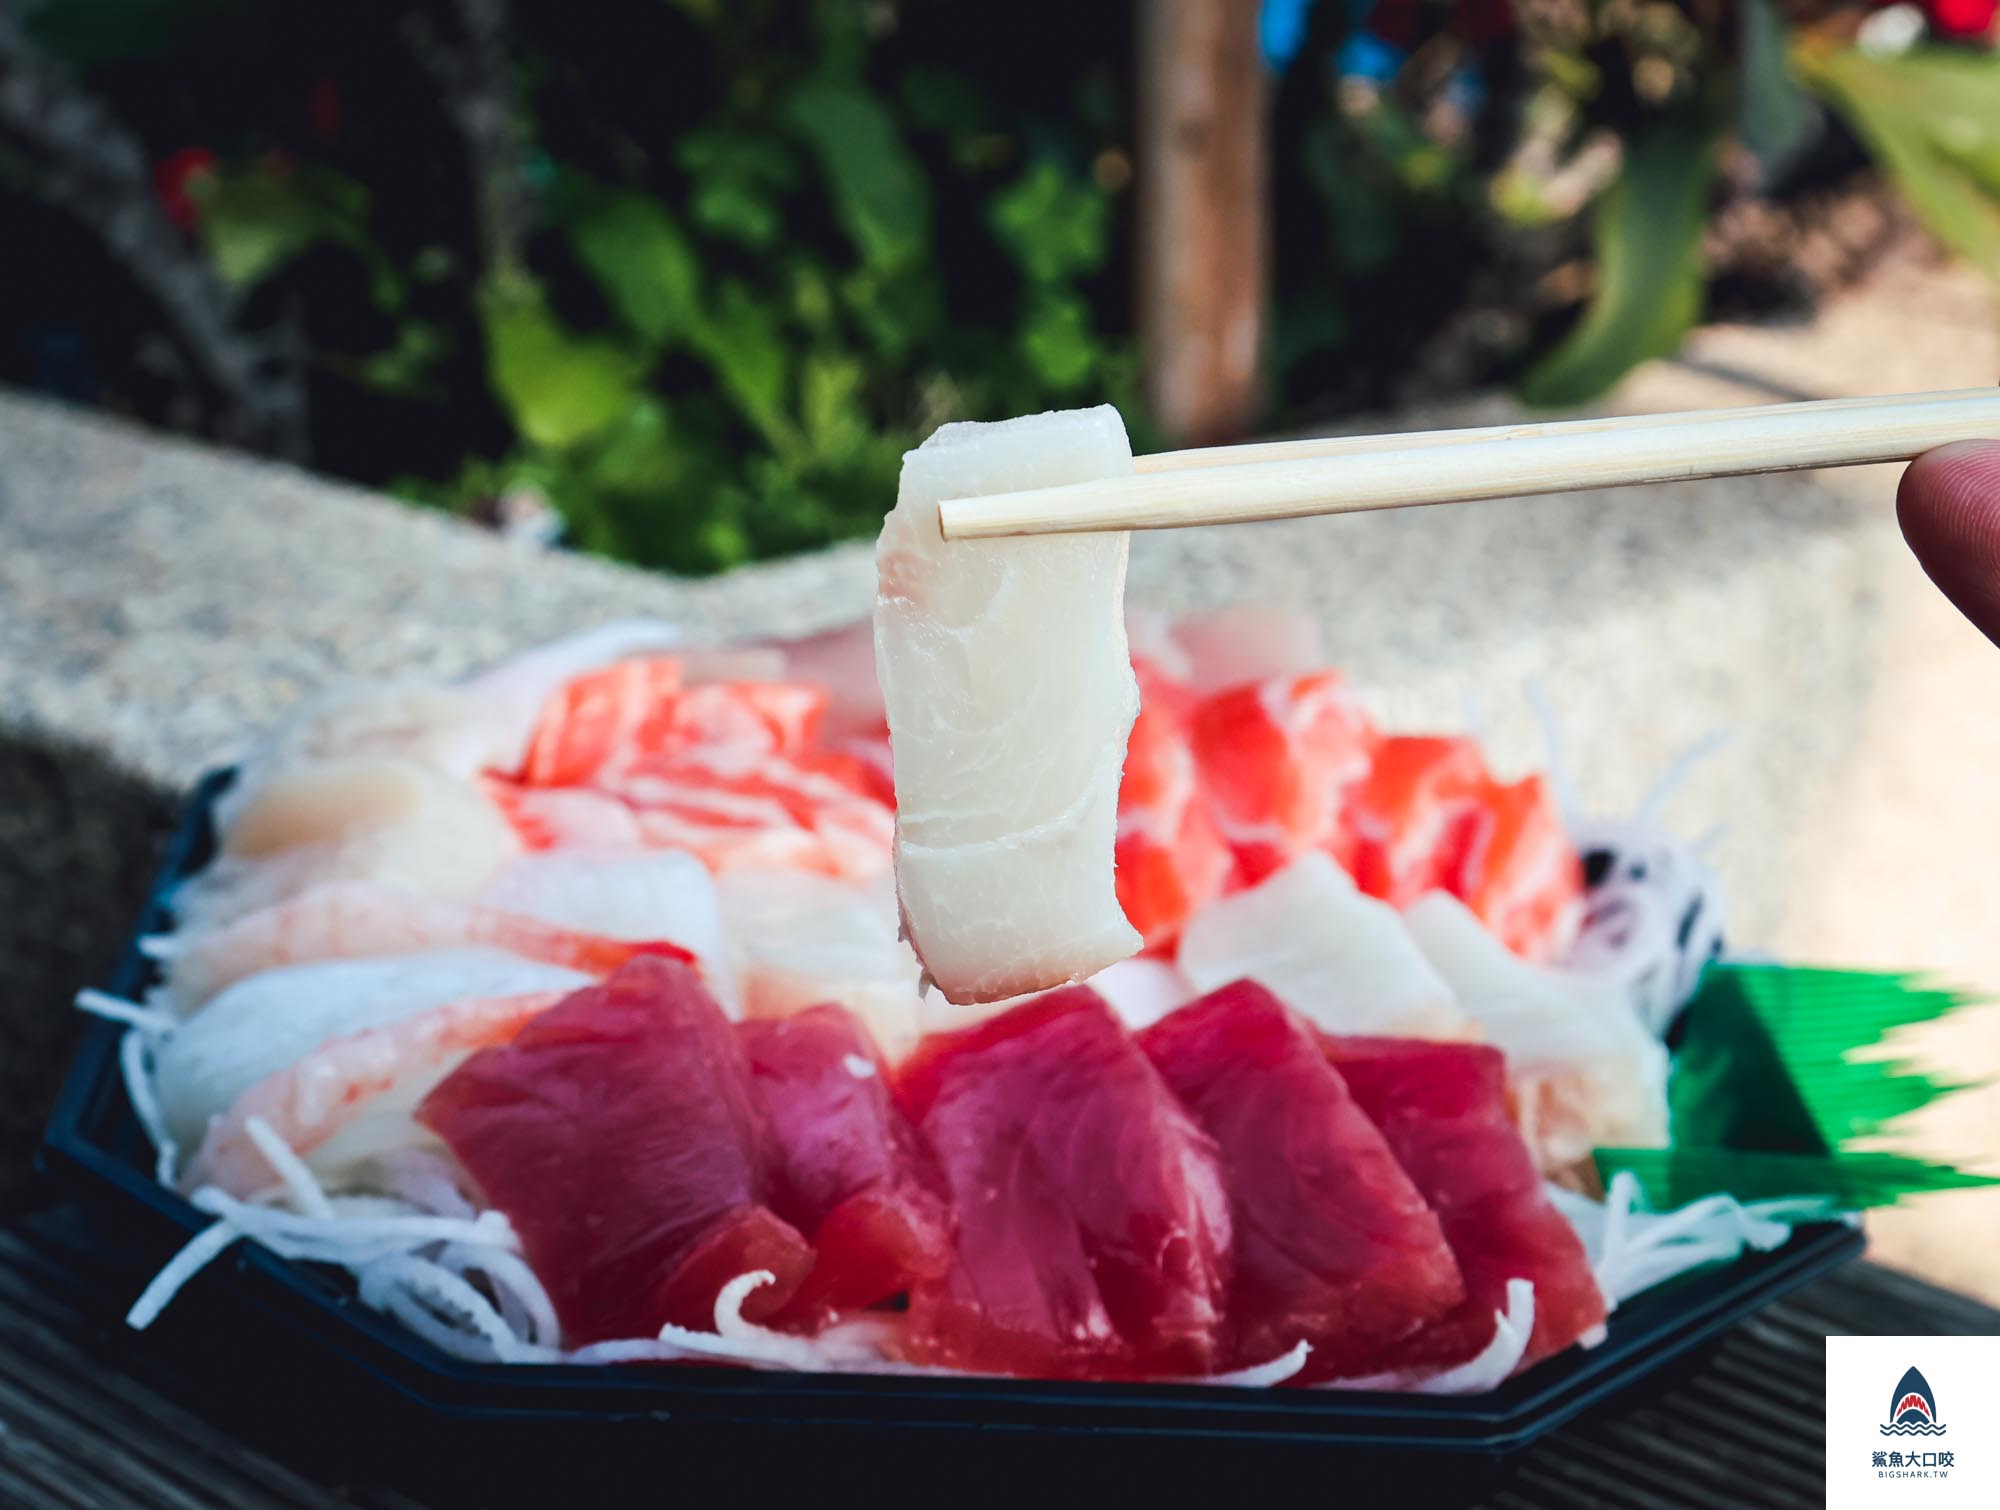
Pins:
x,y
697,272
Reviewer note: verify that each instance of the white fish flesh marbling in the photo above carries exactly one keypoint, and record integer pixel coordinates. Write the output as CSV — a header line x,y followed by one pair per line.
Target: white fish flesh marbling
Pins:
x,y
1010,695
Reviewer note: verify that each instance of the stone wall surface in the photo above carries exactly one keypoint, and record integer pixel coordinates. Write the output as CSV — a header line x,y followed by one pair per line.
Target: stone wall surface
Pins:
x,y
160,602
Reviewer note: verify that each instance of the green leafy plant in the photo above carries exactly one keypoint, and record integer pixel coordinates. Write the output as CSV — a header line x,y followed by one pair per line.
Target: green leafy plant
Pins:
x,y
698,279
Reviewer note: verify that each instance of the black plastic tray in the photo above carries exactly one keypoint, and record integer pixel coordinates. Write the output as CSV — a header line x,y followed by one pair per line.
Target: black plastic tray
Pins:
x,y
285,1341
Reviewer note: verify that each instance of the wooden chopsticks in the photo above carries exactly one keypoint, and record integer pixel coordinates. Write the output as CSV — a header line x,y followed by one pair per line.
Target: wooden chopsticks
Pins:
x,y
1287,479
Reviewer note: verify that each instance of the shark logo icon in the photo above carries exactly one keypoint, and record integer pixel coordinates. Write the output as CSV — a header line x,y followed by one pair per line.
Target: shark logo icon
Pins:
x,y
1913,1408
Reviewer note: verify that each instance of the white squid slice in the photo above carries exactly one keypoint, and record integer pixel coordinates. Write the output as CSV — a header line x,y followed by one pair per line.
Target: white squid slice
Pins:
x,y
1344,960
1586,1072
260,1025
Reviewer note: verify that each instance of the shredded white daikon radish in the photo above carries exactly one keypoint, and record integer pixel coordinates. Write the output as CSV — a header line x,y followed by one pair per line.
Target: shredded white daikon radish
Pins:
x,y
1500,1357
118,1009
524,1302
1632,1250
201,1251
1260,1375
443,1308
299,1182
135,1064
1487,1369
1654,917
424,1178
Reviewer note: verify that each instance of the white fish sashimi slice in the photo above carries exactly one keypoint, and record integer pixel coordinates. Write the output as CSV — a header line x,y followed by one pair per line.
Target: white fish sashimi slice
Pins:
x,y
448,730
260,1025
1587,1074
352,1100
1010,696
638,897
392,822
1344,960
801,939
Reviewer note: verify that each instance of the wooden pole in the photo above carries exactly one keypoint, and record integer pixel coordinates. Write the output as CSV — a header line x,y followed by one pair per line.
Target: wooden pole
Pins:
x,y
1203,219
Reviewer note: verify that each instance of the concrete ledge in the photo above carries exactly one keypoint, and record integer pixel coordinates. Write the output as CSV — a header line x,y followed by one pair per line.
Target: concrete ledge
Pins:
x,y
160,602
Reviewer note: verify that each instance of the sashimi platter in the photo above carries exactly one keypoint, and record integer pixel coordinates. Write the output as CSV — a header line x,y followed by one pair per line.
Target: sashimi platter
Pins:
x,y
1023,984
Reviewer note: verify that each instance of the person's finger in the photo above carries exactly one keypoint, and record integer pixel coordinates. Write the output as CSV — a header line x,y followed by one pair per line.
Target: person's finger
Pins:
x,y
1949,507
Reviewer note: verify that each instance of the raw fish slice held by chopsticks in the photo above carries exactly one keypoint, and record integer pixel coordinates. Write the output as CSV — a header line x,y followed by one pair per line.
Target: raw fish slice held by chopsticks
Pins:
x,y
1334,1244
1009,690
1093,1226
622,1137
853,1176
1442,1107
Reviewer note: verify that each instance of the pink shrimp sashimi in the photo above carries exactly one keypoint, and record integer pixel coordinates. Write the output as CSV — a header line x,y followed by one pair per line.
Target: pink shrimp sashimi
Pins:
x,y
1171,857
350,1100
348,919
606,723
1334,1245
1276,757
600,718
1443,1109
1093,1226
854,1177
622,1136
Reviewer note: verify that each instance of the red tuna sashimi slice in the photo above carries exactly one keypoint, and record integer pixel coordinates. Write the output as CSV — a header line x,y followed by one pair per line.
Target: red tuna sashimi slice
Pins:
x,y
1334,1245
1275,757
853,1175
1443,1109
1093,1227
1171,857
621,1135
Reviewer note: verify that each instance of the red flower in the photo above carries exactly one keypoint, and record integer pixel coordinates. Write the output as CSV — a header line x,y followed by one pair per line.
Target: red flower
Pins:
x,y
175,179
1961,18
